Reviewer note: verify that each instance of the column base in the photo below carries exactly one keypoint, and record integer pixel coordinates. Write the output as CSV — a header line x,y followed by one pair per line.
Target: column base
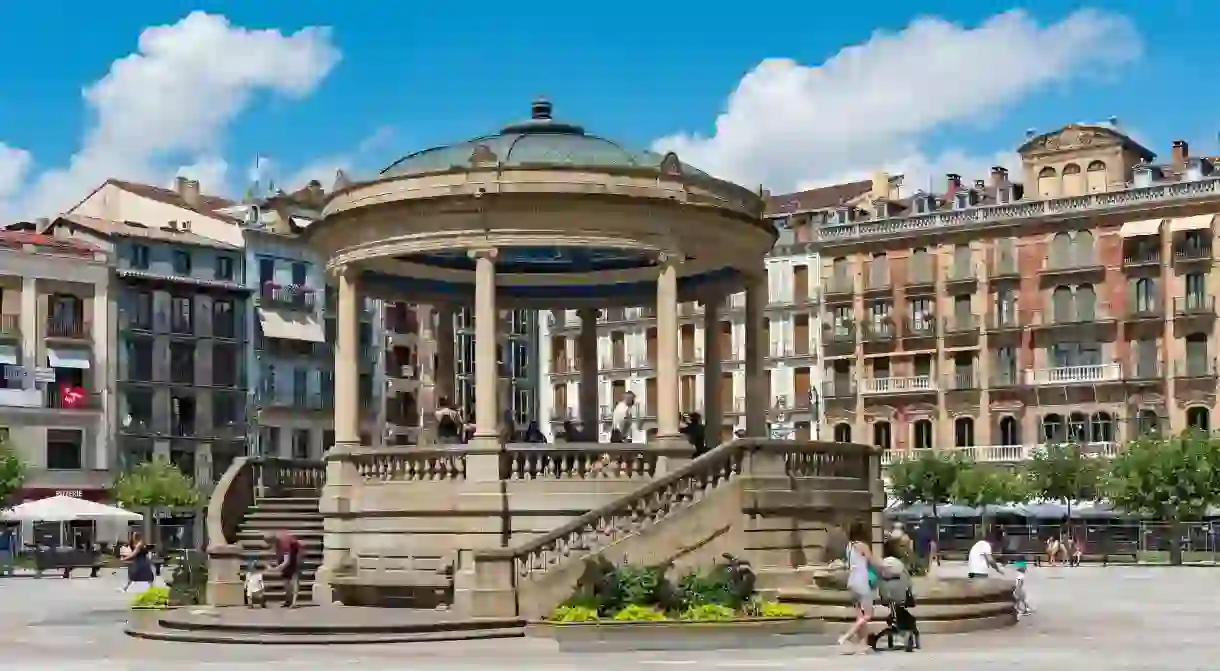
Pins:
x,y
673,452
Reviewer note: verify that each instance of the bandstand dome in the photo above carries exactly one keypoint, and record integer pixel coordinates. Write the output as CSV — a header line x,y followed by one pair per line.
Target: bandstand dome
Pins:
x,y
571,218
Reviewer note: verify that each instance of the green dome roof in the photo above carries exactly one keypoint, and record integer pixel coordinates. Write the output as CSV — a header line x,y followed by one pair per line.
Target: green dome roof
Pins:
x,y
541,141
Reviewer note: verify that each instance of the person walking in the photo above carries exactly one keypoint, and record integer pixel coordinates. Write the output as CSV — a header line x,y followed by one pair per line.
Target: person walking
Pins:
x,y
860,560
980,562
139,563
620,427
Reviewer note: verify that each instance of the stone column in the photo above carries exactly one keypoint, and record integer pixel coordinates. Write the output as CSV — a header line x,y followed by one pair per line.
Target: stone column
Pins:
x,y
666,404
425,354
756,375
486,369
713,400
445,344
588,373
341,476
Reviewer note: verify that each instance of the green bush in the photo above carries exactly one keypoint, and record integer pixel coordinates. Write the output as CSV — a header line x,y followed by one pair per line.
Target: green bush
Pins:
x,y
154,598
574,614
637,613
709,612
189,583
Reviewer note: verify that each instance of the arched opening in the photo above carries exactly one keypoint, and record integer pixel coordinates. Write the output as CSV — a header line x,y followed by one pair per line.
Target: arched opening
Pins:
x,y
963,432
1078,428
1053,429
842,432
1082,249
1086,303
882,437
1010,431
1148,423
1198,418
1061,250
1073,180
1061,305
1102,430
1095,177
1048,186
923,434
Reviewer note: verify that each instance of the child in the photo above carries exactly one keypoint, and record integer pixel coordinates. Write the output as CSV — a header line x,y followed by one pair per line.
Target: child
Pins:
x,y
1018,591
894,588
256,595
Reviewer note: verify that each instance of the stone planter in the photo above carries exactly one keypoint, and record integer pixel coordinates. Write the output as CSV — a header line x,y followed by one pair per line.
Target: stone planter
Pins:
x,y
613,636
945,605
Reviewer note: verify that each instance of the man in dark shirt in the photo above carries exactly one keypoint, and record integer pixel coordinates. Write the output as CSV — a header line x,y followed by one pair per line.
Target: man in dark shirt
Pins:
x,y
288,555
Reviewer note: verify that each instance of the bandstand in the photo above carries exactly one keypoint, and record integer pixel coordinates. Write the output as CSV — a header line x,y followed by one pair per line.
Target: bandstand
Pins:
x,y
543,215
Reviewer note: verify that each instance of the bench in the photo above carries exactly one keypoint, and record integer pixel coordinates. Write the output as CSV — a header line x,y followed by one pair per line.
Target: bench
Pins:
x,y
47,559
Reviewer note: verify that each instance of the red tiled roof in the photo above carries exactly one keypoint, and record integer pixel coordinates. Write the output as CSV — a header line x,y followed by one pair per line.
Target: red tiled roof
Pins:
x,y
817,199
21,238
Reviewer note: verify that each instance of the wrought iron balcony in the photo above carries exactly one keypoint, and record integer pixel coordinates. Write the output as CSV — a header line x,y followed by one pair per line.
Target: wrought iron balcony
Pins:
x,y
291,296
841,388
1191,253
1071,263
839,284
1194,305
67,326
1141,256
879,330
1194,367
841,333
1002,266
1144,307
10,326
961,273
1144,368
920,327
1003,320
959,324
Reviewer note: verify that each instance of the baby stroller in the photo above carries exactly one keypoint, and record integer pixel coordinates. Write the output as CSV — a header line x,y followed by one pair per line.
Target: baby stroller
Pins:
x,y
896,595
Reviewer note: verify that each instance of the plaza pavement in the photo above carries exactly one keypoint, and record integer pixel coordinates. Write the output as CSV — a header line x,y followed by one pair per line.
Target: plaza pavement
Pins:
x,y
1091,618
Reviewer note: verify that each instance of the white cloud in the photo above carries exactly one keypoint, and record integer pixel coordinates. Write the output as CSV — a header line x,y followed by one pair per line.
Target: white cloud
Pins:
x,y
13,165
207,170
323,169
176,95
868,106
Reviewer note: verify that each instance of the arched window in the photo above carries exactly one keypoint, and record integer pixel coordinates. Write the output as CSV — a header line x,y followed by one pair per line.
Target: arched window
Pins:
x,y
1103,428
1095,178
842,432
923,434
1061,305
963,432
1145,295
1010,431
1086,303
1061,250
1053,430
1048,186
881,435
1082,249
1148,423
1073,181
1078,428
1198,418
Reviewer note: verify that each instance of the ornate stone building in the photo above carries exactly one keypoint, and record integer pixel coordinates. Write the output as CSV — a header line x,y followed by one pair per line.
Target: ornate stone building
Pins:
x,y
1074,301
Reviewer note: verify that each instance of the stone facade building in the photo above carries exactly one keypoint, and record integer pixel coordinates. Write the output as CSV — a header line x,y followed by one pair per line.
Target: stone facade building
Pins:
x,y
1073,301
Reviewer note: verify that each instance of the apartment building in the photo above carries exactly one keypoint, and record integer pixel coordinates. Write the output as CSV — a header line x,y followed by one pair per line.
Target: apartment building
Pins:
x,y
1074,301
291,356
56,363
627,337
517,353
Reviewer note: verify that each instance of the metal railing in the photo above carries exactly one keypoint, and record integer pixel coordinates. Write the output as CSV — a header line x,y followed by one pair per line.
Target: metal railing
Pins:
x,y
1194,305
288,296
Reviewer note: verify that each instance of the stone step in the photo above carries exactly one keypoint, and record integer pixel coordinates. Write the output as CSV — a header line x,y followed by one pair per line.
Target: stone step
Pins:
x,y
289,506
158,633
307,538
263,514
267,526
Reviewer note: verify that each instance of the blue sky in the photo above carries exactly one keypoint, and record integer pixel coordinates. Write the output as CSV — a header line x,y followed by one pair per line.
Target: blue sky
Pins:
x,y
390,78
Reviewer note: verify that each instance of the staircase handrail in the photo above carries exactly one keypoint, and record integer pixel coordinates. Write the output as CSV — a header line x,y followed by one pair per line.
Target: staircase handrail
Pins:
x,y
236,492
727,454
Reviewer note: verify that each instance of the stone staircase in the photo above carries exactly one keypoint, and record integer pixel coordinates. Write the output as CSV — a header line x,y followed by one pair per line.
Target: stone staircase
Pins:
x,y
295,512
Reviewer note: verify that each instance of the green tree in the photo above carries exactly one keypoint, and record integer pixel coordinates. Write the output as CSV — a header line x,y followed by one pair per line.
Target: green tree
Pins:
x,y
155,485
1174,479
12,474
928,478
1062,473
983,485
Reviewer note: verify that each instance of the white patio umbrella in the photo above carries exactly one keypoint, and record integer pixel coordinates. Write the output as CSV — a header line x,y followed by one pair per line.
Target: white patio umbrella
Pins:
x,y
65,509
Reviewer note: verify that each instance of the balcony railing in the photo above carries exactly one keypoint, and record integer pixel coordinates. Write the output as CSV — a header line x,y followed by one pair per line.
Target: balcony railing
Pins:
x,y
958,324
66,327
1003,378
1194,306
921,273
1204,190
10,326
1102,372
839,333
839,285
1194,367
897,385
1190,252
55,397
781,350
1069,317
921,327
289,296
880,330
963,381
1145,308
1000,265
1003,320
997,454
1143,368
876,279
1070,263
962,272
1141,256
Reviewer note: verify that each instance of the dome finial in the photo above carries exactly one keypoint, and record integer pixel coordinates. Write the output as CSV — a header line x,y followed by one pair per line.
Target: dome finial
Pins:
x,y
540,109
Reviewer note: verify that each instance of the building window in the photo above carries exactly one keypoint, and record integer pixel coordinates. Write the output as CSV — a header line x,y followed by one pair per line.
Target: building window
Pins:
x,y
1082,249
1145,295
182,362
1078,428
923,434
182,262
842,432
180,315
65,449
224,268
182,416
300,444
139,359
1047,187
1198,418
1061,251
328,439
881,435
227,409
224,321
963,432
266,271
1010,431
1095,177
1085,301
299,273
1148,423
1073,182
1103,428
1196,291
269,441
138,417
1053,430
139,257
141,316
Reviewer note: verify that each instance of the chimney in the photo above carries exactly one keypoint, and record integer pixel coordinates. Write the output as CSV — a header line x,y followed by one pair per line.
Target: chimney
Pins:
x,y
188,190
999,175
979,185
1181,152
881,186
955,183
